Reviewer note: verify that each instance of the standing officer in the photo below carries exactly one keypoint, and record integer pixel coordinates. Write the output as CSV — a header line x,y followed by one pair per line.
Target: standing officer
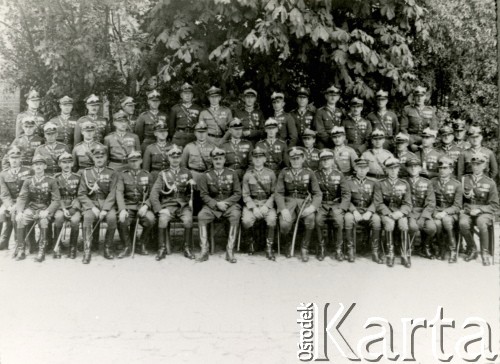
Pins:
x,y
82,152
183,117
216,117
362,206
171,198
120,143
448,192
221,192
302,115
11,182
144,127
423,205
275,149
70,207
334,204
392,201
465,159
51,150
101,124
287,131
97,194
33,113
384,119
311,153
196,156
37,202
237,150
480,205
251,117
155,156
377,155
132,191
343,155
327,117
358,130
27,142
448,148
258,198
402,153
294,185
428,154
65,123
460,134
128,107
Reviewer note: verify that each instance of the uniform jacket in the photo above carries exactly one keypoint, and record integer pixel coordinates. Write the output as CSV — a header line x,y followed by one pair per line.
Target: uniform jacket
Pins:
x,y
311,158
237,153
387,122
68,189
252,121
183,117
51,154
287,128
403,157
429,158
391,196
39,123
219,186
357,133
480,193
293,186
65,129
133,187
464,162
102,128
376,159
98,189
155,157
422,197
144,127
258,188
171,188
324,121
39,195
344,157
448,194
28,145
334,188
276,153
11,184
362,194
414,121
217,120
119,147
196,156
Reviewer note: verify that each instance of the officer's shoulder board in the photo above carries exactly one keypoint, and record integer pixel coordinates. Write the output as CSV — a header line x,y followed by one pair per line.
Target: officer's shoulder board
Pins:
x,y
370,179
307,169
229,169
488,179
75,174
452,179
57,174
264,169
110,168
81,143
424,179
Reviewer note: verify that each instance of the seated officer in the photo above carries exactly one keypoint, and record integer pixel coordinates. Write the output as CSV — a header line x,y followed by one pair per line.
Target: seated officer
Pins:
x,y
156,155
393,203
196,155
220,192
334,204
402,153
448,192
70,207
448,148
362,207
97,194
293,188
343,155
358,129
428,155
171,198
465,159
83,151
424,203
38,201
120,143
377,155
480,205
275,149
311,153
51,150
237,150
258,198
132,192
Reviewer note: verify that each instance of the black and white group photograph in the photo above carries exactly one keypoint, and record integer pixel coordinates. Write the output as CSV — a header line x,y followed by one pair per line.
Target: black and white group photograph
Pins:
x,y
249,181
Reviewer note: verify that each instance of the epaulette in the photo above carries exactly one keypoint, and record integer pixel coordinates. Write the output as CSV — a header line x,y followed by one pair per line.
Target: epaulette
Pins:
x,y
232,170
265,169
453,179
57,174
371,179
76,174
108,167
78,144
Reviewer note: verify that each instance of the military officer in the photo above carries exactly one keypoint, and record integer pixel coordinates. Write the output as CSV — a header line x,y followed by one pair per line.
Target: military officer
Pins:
x,y
65,122
196,156
82,152
302,115
335,203
11,182
101,124
258,197
220,191
183,117
460,134
132,192
311,153
377,155
144,127
480,204
327,117
343,156
33,112
70,207
216,117
448,148
428,155
358,129
120,143
384,119
417,117
251,117
128,107
37,202
287,131
237,150
97,194
449,193
402,153
362,207
275,149
51,150
465,159
294,187
27,143
171,197
393,203
423,205
156,154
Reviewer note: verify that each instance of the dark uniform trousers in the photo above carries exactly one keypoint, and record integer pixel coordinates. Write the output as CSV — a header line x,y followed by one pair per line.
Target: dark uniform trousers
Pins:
x,y
362,192
182,120
132,189
336,198
68,188
391,196
257,191
424,203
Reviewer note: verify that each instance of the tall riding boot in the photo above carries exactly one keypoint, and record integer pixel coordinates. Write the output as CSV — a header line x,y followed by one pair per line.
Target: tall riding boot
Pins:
x,y
471,246
19,253
390,249
123,232
348,237
108,243
485,254
287,245
73,241
405,259
203,243
57,231
320,254
269,243
87,244
339,255
230,244
375,243
146,231
452,246
41,247
95,239
426,247
188,241
304,249
249,239
6,232
162,247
